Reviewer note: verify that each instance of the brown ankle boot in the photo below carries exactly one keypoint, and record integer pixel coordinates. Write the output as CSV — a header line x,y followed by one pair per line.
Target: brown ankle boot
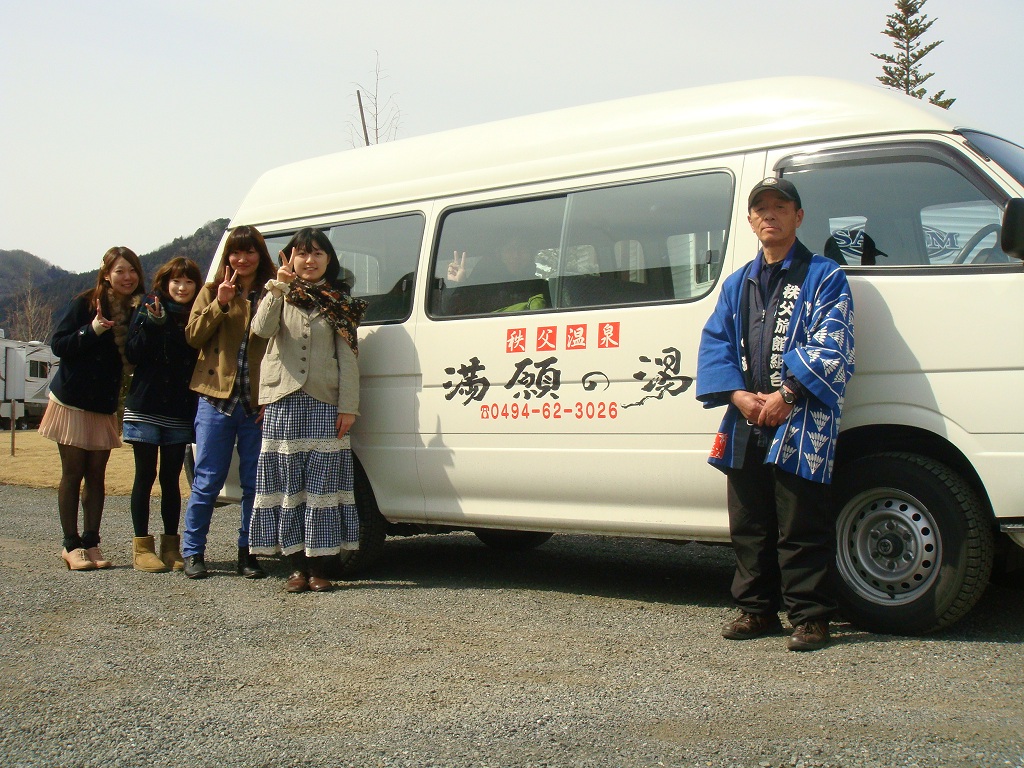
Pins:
x,y
144,557
170,551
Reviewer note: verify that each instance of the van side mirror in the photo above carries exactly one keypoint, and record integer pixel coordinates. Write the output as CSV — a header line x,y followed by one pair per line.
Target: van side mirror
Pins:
x,y
1012,238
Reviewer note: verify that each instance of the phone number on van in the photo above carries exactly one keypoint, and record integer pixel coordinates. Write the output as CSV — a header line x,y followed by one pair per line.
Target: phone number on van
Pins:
x,y
582,411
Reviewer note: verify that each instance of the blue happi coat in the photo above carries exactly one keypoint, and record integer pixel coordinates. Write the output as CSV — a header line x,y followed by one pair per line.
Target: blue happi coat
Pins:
x,y
818,352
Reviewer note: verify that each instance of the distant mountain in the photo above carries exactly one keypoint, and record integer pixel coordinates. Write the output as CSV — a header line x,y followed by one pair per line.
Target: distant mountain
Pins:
x,y
17,268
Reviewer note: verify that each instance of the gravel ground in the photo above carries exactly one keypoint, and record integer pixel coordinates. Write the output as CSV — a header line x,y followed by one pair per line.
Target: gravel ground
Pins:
x,y
584,652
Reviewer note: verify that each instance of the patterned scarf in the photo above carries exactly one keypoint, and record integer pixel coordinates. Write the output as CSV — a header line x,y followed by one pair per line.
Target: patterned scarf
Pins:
x,y
342,312
175,311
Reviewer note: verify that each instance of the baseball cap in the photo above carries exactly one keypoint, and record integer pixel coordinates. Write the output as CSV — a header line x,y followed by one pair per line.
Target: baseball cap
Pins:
x,y
783,187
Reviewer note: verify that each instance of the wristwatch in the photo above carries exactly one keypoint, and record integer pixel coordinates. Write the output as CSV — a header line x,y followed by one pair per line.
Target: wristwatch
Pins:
x,y
787,397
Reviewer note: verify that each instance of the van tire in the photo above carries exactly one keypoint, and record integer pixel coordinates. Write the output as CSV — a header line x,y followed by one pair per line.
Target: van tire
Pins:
x,y
914,544
372,526
511,541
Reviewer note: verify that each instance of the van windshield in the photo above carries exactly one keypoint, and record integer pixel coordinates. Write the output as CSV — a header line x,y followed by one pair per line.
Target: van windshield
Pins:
x,y
1008,155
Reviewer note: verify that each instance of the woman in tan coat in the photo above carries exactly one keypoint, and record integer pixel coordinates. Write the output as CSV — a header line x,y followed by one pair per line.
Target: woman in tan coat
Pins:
x,y
226,377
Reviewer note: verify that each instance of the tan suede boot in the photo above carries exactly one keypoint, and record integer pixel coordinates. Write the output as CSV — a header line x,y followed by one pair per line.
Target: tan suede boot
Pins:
x,y
170,552
144,556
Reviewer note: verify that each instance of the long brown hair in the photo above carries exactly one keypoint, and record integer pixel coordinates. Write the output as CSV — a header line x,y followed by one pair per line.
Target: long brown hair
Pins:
x,y
102,288
246,238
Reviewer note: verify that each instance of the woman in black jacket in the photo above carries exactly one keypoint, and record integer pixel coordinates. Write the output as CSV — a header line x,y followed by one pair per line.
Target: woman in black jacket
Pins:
x,y
160,408
90,340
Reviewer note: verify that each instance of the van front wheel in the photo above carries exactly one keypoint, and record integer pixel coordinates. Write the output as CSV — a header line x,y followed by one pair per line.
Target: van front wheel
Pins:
x,y
914,549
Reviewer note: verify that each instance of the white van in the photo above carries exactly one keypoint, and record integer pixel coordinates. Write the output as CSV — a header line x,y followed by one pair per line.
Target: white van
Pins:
x,y
557,399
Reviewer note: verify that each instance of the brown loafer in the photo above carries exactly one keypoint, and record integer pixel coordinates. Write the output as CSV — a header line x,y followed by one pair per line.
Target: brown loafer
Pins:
x,y
809,636
319,584
297,582
747,626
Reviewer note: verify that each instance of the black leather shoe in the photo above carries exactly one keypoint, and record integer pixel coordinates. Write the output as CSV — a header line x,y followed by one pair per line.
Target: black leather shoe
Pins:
x,y
195,567
750,625
809,636
248,565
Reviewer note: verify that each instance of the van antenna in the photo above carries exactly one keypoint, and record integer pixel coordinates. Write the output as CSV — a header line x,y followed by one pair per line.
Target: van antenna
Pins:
x,y
362,116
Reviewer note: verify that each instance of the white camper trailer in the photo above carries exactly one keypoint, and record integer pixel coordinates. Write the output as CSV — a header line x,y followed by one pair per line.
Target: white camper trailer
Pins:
x,y
26,370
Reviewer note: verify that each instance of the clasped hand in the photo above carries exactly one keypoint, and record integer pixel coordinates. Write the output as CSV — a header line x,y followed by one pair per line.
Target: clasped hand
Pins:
x,y
762,409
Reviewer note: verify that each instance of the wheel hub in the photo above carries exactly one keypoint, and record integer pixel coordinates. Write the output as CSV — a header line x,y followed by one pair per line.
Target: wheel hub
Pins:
x,y
888,546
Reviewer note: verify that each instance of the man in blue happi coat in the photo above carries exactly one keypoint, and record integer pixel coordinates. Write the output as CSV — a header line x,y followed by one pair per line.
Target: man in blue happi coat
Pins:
x,y
778,352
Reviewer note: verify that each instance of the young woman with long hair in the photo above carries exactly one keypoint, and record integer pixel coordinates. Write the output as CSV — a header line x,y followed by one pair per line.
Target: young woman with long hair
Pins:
x,y
160,408
90,339
226,377
305,508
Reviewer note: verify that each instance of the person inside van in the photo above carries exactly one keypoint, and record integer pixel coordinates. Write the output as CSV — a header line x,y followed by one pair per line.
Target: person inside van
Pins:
x,y
778,351
504,282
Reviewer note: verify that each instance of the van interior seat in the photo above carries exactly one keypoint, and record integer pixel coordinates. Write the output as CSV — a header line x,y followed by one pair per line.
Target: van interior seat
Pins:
x,y
602,290
991,256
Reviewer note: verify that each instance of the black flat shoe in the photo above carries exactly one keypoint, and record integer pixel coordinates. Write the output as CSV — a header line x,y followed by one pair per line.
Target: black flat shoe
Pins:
x,y
248,565
195,567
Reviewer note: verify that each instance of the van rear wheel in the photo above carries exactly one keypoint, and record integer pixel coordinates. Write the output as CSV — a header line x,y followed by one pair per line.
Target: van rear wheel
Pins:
x,y
372,526
914,548
511,541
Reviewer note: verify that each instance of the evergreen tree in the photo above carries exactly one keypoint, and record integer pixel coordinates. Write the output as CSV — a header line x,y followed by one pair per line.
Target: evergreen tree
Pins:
x,y
902,71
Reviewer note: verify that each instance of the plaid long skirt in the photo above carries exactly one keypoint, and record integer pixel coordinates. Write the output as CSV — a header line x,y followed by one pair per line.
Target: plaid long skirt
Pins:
x,y
304,499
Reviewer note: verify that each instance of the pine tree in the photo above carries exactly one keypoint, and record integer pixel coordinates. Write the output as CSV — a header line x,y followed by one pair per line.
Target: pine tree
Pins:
x,y
903,70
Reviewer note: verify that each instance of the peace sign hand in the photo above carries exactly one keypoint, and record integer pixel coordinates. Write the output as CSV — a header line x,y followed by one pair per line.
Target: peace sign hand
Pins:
x,y
154,307
226,291
457,267
286,273
100,318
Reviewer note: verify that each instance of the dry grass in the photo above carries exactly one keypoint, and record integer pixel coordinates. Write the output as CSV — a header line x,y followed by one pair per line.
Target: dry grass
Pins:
x,y
36,464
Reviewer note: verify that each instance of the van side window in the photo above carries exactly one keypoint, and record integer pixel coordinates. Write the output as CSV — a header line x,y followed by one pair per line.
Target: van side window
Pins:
x,y
378,259
656,241
911,206
498,258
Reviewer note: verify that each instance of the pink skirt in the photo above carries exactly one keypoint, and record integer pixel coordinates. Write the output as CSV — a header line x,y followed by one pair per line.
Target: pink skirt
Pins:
x,y
81,429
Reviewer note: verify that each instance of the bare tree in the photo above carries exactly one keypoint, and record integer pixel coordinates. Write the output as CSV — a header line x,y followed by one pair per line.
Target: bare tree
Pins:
x,y
32,318
902,71
378,116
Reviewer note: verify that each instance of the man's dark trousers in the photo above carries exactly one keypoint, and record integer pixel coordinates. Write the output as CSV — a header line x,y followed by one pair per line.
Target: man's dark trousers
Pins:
x,y
783,534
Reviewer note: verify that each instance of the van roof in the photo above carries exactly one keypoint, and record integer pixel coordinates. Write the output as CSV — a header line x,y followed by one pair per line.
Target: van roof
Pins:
x,y
683,124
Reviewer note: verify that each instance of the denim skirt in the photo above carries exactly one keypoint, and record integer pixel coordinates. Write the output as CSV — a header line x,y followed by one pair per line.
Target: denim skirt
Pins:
x,y
155,434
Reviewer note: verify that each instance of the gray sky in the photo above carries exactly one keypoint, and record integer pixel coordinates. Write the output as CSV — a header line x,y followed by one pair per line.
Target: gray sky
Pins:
x,y
133,122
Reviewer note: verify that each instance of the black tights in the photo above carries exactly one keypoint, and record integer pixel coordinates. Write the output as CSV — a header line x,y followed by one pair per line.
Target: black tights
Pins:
x,y
172,457
78,465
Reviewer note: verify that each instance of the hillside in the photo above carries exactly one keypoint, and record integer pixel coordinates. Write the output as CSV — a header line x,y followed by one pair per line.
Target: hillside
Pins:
x,y
58,285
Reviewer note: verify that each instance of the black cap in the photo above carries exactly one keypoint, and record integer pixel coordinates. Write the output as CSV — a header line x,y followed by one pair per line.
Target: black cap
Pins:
x,y
783,187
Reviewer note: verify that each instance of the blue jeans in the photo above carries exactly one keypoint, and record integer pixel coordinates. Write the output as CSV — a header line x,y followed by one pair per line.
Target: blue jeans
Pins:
x,y
215,437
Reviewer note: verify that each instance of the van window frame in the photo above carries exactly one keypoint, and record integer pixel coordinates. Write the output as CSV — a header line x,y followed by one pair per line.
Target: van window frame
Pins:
x,y
431,284
328,224
951,157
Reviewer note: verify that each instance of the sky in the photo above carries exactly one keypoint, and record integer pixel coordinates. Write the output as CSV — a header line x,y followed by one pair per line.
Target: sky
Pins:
x,y
132,123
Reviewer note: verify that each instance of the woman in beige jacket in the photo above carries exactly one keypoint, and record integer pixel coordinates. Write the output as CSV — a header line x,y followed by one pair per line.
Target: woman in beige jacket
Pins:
x,y
225,377
309,383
